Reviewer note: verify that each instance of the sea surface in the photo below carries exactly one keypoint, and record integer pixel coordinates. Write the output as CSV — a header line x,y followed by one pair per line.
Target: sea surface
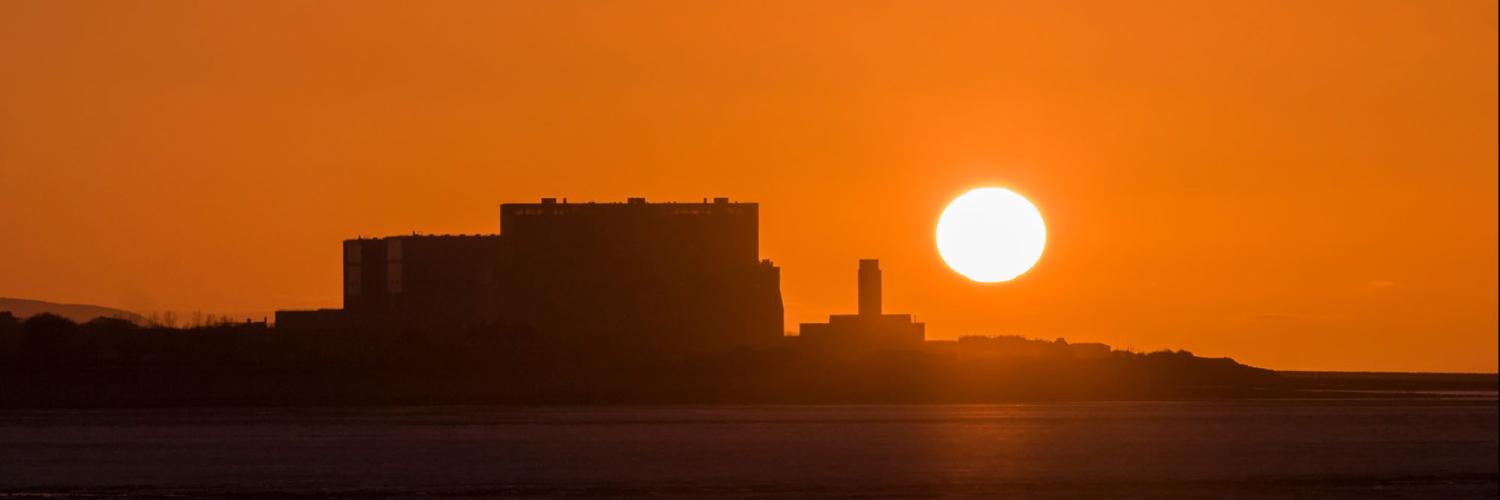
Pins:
x,y
1368,448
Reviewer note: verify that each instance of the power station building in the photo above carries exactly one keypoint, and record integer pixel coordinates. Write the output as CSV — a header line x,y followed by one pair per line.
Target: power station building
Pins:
x,y
421,280
680,276
871,328
658,275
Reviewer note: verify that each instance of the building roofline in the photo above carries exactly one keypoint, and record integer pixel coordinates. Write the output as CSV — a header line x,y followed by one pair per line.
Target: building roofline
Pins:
x,y
628,202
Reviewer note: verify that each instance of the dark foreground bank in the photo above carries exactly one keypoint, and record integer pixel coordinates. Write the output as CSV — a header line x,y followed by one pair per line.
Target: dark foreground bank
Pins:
x,y
1371,448
49,362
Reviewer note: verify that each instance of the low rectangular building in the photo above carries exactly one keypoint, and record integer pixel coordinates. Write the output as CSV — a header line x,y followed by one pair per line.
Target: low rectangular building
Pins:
x,y
310,321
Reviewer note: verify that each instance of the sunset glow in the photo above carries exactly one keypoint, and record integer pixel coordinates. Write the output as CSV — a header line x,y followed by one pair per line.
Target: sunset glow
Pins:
x,y
1298,186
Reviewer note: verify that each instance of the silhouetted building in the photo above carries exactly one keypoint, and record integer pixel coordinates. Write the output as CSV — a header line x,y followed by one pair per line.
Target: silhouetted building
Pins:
x,y
307,321
421,281
871,328
633,275
675,276
1090,350
1008,347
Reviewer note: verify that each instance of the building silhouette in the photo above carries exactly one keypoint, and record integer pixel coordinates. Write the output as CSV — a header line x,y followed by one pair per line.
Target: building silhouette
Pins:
x,y
425,281
871,328
310,320
677,276
633,275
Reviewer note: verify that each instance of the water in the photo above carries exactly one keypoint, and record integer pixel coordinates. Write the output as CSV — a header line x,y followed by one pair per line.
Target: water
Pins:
x,y
1246,449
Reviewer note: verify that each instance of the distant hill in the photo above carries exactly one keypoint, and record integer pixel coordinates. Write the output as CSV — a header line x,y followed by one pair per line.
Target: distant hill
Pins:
x,y
80,313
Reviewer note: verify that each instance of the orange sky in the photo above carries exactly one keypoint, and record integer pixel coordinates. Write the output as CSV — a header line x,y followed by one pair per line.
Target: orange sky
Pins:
x,y
1298,185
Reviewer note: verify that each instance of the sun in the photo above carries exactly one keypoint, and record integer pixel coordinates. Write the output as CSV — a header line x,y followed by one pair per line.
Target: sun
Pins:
x,y
991,235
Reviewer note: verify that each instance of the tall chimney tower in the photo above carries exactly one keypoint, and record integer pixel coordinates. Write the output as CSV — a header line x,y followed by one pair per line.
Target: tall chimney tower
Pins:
x,y
869,287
